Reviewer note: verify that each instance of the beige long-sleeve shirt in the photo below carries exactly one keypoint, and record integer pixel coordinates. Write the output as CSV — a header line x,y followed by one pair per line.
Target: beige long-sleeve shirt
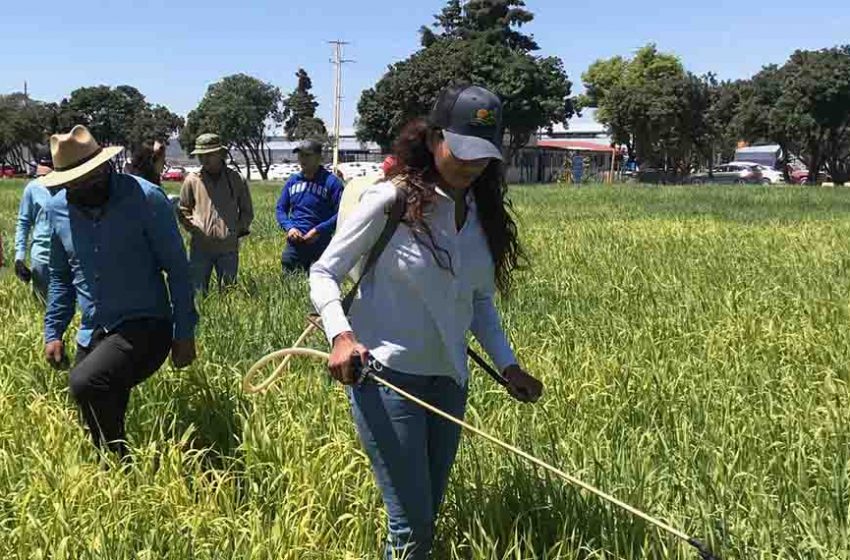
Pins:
x,y
216,211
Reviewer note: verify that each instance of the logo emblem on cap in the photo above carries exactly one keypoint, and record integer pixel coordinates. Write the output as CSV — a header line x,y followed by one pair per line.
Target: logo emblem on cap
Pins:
x,y
484,117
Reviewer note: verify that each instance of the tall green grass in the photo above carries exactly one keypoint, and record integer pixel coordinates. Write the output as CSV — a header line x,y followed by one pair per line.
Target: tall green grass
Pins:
x,y
694,342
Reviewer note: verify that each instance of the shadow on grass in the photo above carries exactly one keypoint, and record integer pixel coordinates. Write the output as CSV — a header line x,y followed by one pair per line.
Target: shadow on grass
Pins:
x,y
202,416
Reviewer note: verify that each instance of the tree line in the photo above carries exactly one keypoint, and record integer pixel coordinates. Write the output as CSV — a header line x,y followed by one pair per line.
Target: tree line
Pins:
x,y
669,118
116,116
480,42
664,116
242,109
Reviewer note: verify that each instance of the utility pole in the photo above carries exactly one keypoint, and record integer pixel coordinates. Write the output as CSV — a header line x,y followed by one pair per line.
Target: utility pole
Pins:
x,y
337,61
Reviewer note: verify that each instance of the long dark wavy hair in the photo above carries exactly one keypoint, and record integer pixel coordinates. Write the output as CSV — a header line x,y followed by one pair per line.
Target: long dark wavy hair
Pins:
x,y
416,170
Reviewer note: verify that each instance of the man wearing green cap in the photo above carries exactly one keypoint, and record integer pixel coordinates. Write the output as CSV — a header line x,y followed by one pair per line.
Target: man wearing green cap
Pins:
x,y
216,210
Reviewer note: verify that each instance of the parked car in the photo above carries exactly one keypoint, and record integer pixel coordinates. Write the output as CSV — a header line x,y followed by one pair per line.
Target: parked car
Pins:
x,y
733,174
800,176
770,176
655,176
9,171
174,174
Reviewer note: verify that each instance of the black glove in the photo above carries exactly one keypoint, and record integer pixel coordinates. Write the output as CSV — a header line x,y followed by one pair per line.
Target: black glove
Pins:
x,y
22,272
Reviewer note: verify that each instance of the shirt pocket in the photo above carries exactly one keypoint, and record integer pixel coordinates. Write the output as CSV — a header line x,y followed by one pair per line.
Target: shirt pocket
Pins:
x,y
41,218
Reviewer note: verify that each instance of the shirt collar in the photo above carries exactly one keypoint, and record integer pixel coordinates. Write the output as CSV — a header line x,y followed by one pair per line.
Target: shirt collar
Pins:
x,y
442,193
469,196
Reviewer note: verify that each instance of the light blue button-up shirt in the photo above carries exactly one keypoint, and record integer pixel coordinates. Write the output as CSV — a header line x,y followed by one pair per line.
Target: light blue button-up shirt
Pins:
x,y
32,219
113,258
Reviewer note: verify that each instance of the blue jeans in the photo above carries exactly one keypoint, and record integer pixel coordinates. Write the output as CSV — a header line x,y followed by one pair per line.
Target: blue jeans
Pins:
x,y
411,451
202,263
40,280
301,257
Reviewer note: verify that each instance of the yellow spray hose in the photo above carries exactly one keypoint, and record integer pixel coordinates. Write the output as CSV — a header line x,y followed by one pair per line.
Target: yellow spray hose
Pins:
x,y
287,354
247,385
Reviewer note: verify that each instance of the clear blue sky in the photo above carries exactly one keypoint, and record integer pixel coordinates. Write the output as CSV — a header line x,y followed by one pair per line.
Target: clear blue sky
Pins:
x,y
172,50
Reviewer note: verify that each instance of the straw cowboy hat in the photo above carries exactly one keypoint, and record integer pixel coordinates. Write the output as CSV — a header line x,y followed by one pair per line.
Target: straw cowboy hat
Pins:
x,y
207,144
76,154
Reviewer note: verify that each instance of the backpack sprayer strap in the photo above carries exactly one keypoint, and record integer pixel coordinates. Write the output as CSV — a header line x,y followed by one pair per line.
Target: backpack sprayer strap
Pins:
x,y
393,220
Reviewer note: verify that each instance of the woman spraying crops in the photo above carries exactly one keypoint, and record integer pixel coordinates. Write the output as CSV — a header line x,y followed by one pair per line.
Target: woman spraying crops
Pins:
x,y
435,282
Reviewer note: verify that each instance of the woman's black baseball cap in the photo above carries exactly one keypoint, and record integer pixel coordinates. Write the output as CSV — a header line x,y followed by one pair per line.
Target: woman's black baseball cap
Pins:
x,y
471,120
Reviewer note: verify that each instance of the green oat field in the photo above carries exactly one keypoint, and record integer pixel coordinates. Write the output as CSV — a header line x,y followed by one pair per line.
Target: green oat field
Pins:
x,y
694,343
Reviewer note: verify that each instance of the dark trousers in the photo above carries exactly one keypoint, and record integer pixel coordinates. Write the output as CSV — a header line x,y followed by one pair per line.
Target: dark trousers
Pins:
x,y
301,257
106,371
202,263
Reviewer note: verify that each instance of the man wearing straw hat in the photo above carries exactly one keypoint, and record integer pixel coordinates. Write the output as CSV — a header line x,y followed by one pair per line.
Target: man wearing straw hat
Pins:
x,y
112,237
216,210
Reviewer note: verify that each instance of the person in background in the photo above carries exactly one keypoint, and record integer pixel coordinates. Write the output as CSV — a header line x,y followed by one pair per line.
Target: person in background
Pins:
x,y
216,209
112,237
307,209
435,282
147,160
33,223
389,162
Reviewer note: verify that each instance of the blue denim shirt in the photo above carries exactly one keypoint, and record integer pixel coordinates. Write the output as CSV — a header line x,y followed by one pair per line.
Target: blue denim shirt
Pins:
x,y
114,257
32,219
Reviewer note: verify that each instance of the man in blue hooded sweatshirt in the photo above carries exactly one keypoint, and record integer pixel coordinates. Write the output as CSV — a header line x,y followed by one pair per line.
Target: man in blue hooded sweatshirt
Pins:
x,y
307,209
